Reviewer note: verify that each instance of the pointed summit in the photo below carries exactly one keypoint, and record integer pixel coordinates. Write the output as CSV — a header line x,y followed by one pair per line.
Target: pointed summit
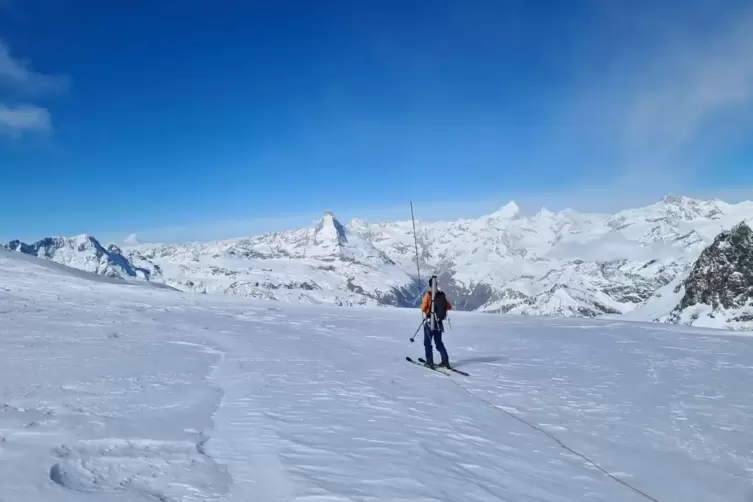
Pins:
x,y
506,212
329,239
329,232
544,213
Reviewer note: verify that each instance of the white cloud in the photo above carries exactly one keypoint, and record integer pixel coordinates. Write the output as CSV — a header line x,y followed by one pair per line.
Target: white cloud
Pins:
x,y
11,68
18,74
694,80
18,78
131,240
667,105
23,118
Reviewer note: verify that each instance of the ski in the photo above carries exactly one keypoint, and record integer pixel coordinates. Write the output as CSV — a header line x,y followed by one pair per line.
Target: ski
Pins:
x,y
438,370
423,361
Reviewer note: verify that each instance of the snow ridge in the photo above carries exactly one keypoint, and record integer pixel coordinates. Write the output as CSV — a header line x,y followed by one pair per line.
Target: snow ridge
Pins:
x,y
85,253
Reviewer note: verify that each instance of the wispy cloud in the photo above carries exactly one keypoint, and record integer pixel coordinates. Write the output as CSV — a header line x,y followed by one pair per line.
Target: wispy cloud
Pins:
x,y
131,240
659,95
23,118
17,78
694,80
19,75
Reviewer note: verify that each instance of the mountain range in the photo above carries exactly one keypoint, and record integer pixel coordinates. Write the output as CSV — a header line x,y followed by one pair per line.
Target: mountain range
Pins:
x,y
566,263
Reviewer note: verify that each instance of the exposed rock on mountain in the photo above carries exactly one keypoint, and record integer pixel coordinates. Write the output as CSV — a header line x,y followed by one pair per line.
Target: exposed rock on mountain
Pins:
x,y
85,253
719,288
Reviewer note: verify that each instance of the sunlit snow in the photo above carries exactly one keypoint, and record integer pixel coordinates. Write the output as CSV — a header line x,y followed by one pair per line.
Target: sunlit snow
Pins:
x,y
127,392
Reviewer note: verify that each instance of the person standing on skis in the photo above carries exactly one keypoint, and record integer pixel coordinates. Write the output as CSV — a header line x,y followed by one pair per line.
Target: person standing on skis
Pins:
x,y
435,309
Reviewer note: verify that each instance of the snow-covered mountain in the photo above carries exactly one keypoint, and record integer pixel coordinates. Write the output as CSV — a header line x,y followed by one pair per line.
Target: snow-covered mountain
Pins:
x,y
718,291
323,264
565,263
86,253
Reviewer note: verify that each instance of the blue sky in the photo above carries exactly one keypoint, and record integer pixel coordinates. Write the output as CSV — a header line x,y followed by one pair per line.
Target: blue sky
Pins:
x,y
196,120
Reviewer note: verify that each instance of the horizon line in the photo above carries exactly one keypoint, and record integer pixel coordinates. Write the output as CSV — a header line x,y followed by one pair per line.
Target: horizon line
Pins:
x,y
120,239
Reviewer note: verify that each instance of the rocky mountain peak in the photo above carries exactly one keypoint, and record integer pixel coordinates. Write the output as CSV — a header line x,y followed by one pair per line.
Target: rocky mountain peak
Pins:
x,y
673,199
544,213
50,245
722,277
686,208
83,252
330,232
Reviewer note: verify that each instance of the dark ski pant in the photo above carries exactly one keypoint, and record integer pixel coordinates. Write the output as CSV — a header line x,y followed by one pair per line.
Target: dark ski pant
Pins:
x,y
437,336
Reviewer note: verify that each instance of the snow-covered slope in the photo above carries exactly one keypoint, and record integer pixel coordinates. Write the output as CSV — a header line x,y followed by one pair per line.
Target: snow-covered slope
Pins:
x,y
85,253
119,392
565,263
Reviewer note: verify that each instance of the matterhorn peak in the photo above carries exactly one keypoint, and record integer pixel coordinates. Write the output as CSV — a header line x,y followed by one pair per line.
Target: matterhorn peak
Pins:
x,y
329,216
330,231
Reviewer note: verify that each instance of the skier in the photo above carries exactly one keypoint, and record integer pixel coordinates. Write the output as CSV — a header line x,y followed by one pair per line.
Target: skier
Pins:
x,y
433,328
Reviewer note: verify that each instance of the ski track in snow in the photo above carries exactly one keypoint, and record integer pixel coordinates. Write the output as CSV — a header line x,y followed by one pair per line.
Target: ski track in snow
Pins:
x,y
128,393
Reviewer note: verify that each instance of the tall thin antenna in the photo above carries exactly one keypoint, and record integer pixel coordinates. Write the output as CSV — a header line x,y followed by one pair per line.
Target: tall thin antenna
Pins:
x,y
415,240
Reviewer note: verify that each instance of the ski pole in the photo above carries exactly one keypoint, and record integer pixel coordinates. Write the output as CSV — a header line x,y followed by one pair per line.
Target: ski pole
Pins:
x,y
412,339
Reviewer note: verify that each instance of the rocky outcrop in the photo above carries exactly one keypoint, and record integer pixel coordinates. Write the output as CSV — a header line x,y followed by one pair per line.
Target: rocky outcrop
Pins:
x,y
721,281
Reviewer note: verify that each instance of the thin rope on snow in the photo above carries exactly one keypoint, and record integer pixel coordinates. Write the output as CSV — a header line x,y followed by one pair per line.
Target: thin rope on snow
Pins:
x,y
559,442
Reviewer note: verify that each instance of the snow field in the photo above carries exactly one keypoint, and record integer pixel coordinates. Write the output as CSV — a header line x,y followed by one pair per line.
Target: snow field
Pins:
x,y
128,393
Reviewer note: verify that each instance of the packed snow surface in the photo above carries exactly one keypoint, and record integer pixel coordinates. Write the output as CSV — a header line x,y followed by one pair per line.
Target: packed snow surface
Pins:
x,y
126,392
